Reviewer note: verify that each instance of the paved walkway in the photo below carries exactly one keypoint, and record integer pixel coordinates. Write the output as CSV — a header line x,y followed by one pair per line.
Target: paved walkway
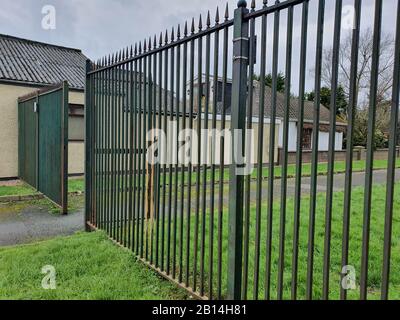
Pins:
x,y
23,223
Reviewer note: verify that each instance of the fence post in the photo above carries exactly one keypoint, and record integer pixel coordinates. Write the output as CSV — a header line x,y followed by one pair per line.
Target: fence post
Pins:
x,y
88,150
239,97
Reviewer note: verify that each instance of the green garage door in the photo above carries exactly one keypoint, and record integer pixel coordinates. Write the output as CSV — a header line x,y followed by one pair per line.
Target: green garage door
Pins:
x,y
43,142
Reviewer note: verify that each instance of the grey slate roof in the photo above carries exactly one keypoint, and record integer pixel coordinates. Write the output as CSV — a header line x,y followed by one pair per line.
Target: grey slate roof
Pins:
x,y
280,107
39,63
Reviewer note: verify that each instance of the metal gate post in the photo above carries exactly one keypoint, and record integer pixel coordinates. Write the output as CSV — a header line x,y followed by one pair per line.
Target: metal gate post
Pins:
x,y
88,150
239,97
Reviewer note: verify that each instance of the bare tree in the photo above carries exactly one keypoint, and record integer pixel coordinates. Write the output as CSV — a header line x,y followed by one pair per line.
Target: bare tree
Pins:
x,y
386,62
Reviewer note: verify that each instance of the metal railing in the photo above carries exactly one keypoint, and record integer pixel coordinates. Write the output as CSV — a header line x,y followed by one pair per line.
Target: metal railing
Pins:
x,y
179,218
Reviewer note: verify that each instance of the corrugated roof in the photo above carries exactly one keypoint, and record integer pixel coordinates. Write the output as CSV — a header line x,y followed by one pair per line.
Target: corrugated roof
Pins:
x,y
32,62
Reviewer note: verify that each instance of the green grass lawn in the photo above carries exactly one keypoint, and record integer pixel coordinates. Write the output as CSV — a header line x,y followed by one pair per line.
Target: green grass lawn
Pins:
x,y
376,246
88,266
23,189
18,190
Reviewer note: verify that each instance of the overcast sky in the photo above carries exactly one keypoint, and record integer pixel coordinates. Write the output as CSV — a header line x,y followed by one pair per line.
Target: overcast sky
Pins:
x,y
99,27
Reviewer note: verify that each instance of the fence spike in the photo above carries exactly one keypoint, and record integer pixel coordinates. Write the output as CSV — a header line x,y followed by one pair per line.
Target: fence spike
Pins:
x,y
150,43
155,41
217,16
265,2
131,55
253,5
186,30
127,53
144,46
178,33
193,29
161,38
227,12
140,47
166,36
172,35
135,49
200,23
208,20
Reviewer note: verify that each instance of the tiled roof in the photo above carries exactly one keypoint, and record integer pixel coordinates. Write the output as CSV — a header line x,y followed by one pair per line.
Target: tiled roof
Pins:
x,y
33,62
324,112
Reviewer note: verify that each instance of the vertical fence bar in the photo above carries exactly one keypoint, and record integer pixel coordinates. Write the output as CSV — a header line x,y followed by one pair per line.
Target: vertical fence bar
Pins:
x,y
165,113
132,136
183,167
159,125
102,147
160,157
144,106
213,160
391,173
198,164
271,159
370,149
350,144
285,148
331,153
135,160
260,155
176,154
247,217
299,158
127,155
222,157
315,141
170,155
236,192
154,166
108,148
204,155
190,167
88,150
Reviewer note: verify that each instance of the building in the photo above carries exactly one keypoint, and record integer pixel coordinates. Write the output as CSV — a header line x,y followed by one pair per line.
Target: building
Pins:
x,y
25,67
280,114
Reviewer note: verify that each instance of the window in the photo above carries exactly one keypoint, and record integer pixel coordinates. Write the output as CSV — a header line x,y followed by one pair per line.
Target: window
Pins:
x,y
76,126
307,133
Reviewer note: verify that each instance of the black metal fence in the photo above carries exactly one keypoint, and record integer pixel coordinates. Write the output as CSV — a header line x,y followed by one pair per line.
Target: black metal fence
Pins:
x,y
275,232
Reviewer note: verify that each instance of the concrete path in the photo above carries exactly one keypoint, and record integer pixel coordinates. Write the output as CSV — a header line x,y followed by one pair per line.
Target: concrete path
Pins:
x,y
21,224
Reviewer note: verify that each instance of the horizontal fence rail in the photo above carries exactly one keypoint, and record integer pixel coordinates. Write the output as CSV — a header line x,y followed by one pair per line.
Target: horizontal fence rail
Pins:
x,y
184,136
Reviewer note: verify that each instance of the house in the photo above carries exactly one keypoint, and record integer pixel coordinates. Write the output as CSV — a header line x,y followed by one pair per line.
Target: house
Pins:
x,y
280,114
25,67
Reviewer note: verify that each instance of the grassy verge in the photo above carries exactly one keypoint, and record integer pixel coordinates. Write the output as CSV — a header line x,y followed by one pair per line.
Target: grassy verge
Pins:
x,y
19,190
376,245
88,266
23,189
